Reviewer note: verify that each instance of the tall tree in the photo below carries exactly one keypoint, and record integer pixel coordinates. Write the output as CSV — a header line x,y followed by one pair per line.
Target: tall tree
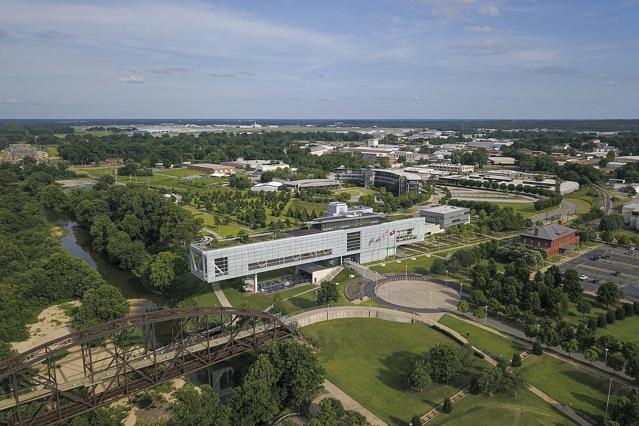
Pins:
x,y
191,407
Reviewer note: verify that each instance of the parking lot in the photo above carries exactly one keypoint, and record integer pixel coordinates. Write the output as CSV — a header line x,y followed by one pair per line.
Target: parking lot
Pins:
x,y
618,265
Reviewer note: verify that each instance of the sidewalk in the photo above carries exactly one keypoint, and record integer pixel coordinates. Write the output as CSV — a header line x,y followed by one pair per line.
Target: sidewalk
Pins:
x,y
348,403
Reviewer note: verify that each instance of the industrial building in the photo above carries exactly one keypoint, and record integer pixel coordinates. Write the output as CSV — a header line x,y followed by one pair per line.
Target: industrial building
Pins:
x,y
361,241
630,213
398,182
212,168
446,216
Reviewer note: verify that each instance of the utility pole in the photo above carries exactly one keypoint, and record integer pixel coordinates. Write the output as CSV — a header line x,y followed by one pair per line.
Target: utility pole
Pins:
x,y
608,400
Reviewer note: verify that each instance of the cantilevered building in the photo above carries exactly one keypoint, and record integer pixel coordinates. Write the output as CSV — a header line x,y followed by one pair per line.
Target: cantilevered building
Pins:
x,y
368,238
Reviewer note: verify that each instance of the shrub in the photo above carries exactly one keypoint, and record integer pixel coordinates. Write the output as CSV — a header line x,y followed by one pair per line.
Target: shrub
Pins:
x,y
516,361
601,321
628,309
448,406
416,420
537,349
592,323
620,313
610,316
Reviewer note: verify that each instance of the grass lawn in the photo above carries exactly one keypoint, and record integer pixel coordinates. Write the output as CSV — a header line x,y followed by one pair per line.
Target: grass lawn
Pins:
x,y
237,297
482,339
190,291
421,265
369,359
625,330
570,385
297,204
584,199
525,410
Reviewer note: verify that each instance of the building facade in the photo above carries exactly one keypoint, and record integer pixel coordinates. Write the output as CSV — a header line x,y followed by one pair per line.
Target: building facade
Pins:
x,y
398,182
358,244
446,216
630,213
553,238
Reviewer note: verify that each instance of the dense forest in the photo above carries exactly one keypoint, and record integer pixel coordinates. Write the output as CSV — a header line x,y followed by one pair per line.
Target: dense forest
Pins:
x,y
34,269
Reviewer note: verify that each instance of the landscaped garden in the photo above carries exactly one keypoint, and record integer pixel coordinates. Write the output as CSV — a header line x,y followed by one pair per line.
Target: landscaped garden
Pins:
x,y
571,385
370,360
525,410
483,339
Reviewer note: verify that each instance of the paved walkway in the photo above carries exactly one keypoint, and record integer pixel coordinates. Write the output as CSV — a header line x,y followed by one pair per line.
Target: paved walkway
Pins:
x,y
221,296
349,403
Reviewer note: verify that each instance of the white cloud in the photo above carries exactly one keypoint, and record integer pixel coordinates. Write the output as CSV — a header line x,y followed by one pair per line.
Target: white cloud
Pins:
x,y
132,79
489,10
480,29
449,9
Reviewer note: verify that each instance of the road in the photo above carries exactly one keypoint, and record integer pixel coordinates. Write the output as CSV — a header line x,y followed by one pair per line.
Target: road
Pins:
x,y
605,200
567,208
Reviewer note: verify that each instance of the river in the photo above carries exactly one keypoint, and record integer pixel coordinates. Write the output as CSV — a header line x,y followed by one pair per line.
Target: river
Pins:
x,y
77,242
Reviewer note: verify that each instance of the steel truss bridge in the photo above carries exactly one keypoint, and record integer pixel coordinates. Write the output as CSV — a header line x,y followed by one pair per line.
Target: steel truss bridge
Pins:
x,y
93,367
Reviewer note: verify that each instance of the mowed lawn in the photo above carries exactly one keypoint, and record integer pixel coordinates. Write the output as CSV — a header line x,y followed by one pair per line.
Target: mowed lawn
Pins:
x,y
480,410
570,385
625,330
483,339
421,265
370,359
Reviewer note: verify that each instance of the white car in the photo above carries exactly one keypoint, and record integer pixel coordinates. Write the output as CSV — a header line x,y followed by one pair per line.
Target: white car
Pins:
x,y
631,248
583,277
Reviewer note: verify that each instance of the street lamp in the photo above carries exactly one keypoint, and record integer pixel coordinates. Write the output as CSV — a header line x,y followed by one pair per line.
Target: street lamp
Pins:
x,y
609,389
461,289
446,277
606,357
486,317
538,329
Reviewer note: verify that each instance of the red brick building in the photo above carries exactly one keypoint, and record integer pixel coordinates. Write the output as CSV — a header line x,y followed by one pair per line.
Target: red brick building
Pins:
x,y
553,238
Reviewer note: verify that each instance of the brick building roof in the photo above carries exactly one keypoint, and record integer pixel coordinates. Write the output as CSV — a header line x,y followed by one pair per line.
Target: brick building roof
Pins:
x,y
550,232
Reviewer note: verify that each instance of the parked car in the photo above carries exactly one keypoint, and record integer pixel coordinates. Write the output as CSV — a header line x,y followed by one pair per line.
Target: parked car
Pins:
x,y
583,277
616,273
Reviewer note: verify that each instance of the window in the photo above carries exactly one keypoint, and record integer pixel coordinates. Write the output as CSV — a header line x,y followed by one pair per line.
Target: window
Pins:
x,y
221,266
289,259
353,241
405,235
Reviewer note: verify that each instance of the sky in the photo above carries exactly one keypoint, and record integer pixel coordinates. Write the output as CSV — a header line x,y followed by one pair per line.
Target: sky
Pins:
x,y
500,59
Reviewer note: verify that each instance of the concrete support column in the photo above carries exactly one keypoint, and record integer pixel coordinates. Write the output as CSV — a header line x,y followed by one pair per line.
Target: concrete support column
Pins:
x,y
255,283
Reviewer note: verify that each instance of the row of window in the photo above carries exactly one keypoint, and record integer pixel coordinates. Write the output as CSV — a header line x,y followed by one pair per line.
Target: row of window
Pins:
x,y
289,259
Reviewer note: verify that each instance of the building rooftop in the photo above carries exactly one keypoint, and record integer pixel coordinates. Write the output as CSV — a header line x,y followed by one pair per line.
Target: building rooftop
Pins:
x,y
407,175
548,232
442,209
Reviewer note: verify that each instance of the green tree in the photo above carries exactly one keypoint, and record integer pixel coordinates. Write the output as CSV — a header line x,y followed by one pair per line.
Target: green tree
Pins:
x,y
447,407
299,373
445,361
516,360
99,305
330,413
111,416
327,292
591,354
256,400
162,270
609,294
490,380
463,306
583,306
626,410
570,346
616,361
419,377
191,407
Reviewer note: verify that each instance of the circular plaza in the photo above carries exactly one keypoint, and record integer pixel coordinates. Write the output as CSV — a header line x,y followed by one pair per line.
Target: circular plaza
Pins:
x,y
418,294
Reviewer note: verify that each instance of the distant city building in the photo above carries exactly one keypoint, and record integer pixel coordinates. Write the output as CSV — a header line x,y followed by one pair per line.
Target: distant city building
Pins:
x,y
502,161
630,213
259,165
15,153
267,186
212,168
398,182
311,183
553,238
446,216
453,167
612,165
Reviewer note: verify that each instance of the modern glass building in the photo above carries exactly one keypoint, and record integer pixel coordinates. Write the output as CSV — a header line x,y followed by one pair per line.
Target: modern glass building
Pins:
x,y
361,244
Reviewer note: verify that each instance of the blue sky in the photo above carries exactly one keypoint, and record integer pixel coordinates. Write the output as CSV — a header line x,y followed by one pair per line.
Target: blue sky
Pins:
x,y
319,59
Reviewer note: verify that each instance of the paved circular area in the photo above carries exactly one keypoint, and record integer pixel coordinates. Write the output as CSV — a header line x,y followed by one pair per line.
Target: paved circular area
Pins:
x,y
418,295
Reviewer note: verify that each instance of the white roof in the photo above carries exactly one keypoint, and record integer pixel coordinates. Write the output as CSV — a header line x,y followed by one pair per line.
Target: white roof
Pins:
x,y
274,184
444,209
